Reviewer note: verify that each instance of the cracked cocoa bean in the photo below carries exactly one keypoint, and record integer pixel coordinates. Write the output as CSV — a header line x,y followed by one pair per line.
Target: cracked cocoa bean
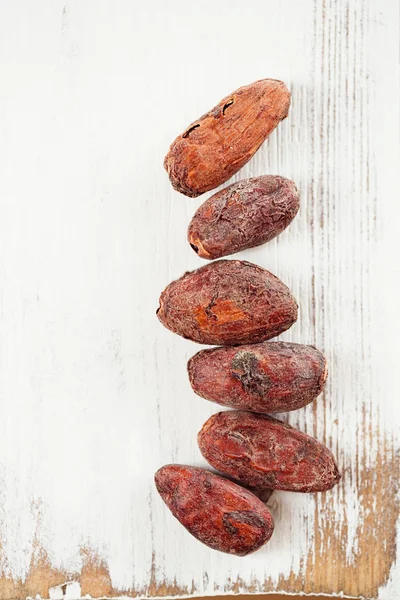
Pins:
x,y
227,302
217,145
262,452
266,378
216,511
243,215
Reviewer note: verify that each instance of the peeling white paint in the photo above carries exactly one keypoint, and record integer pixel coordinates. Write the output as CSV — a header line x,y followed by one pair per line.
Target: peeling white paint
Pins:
x,y
391,590
70,590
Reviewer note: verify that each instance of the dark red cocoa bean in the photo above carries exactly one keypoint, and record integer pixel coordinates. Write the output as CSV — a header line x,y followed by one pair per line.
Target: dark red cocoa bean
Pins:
x,y
217,145
265,378
216,511
245,214
227,302
261,452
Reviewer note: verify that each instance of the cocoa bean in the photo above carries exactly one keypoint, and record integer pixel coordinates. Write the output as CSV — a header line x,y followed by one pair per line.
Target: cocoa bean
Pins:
x,y
216,511
217,145
227,302
243,215
266,378
262,452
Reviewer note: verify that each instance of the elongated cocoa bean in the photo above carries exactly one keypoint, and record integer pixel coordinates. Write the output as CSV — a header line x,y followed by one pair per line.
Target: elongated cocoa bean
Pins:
x,y
245,214
227,302
261,452
217,145
265,378
216,511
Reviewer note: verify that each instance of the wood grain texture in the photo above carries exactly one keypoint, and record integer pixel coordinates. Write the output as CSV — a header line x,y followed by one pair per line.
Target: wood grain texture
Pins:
x,y
94,395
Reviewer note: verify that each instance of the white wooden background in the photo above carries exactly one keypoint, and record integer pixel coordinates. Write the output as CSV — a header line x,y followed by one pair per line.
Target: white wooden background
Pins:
x,y
94,395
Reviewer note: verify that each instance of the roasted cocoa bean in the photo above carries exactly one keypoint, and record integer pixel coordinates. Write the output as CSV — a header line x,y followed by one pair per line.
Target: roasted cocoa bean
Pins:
x,y
216,511
245,214
227,302
261,452
217,145
265,378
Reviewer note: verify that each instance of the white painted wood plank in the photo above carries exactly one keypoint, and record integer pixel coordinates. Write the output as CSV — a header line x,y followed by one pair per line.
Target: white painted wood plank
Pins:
x,y
94,395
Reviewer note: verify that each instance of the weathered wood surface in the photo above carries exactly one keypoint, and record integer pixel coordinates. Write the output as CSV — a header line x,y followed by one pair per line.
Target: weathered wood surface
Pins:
x,y
94,395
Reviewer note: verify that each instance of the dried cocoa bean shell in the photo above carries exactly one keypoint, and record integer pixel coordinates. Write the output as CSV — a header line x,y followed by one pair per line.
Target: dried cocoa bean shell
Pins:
x,y
216,511
217,145
266,378
227,302
243,215
262,452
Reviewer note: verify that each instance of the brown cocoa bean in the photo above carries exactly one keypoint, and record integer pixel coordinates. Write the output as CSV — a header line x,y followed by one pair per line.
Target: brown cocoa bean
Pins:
x,y
243,215
266,378
216,511
261,452
217,145
227,302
